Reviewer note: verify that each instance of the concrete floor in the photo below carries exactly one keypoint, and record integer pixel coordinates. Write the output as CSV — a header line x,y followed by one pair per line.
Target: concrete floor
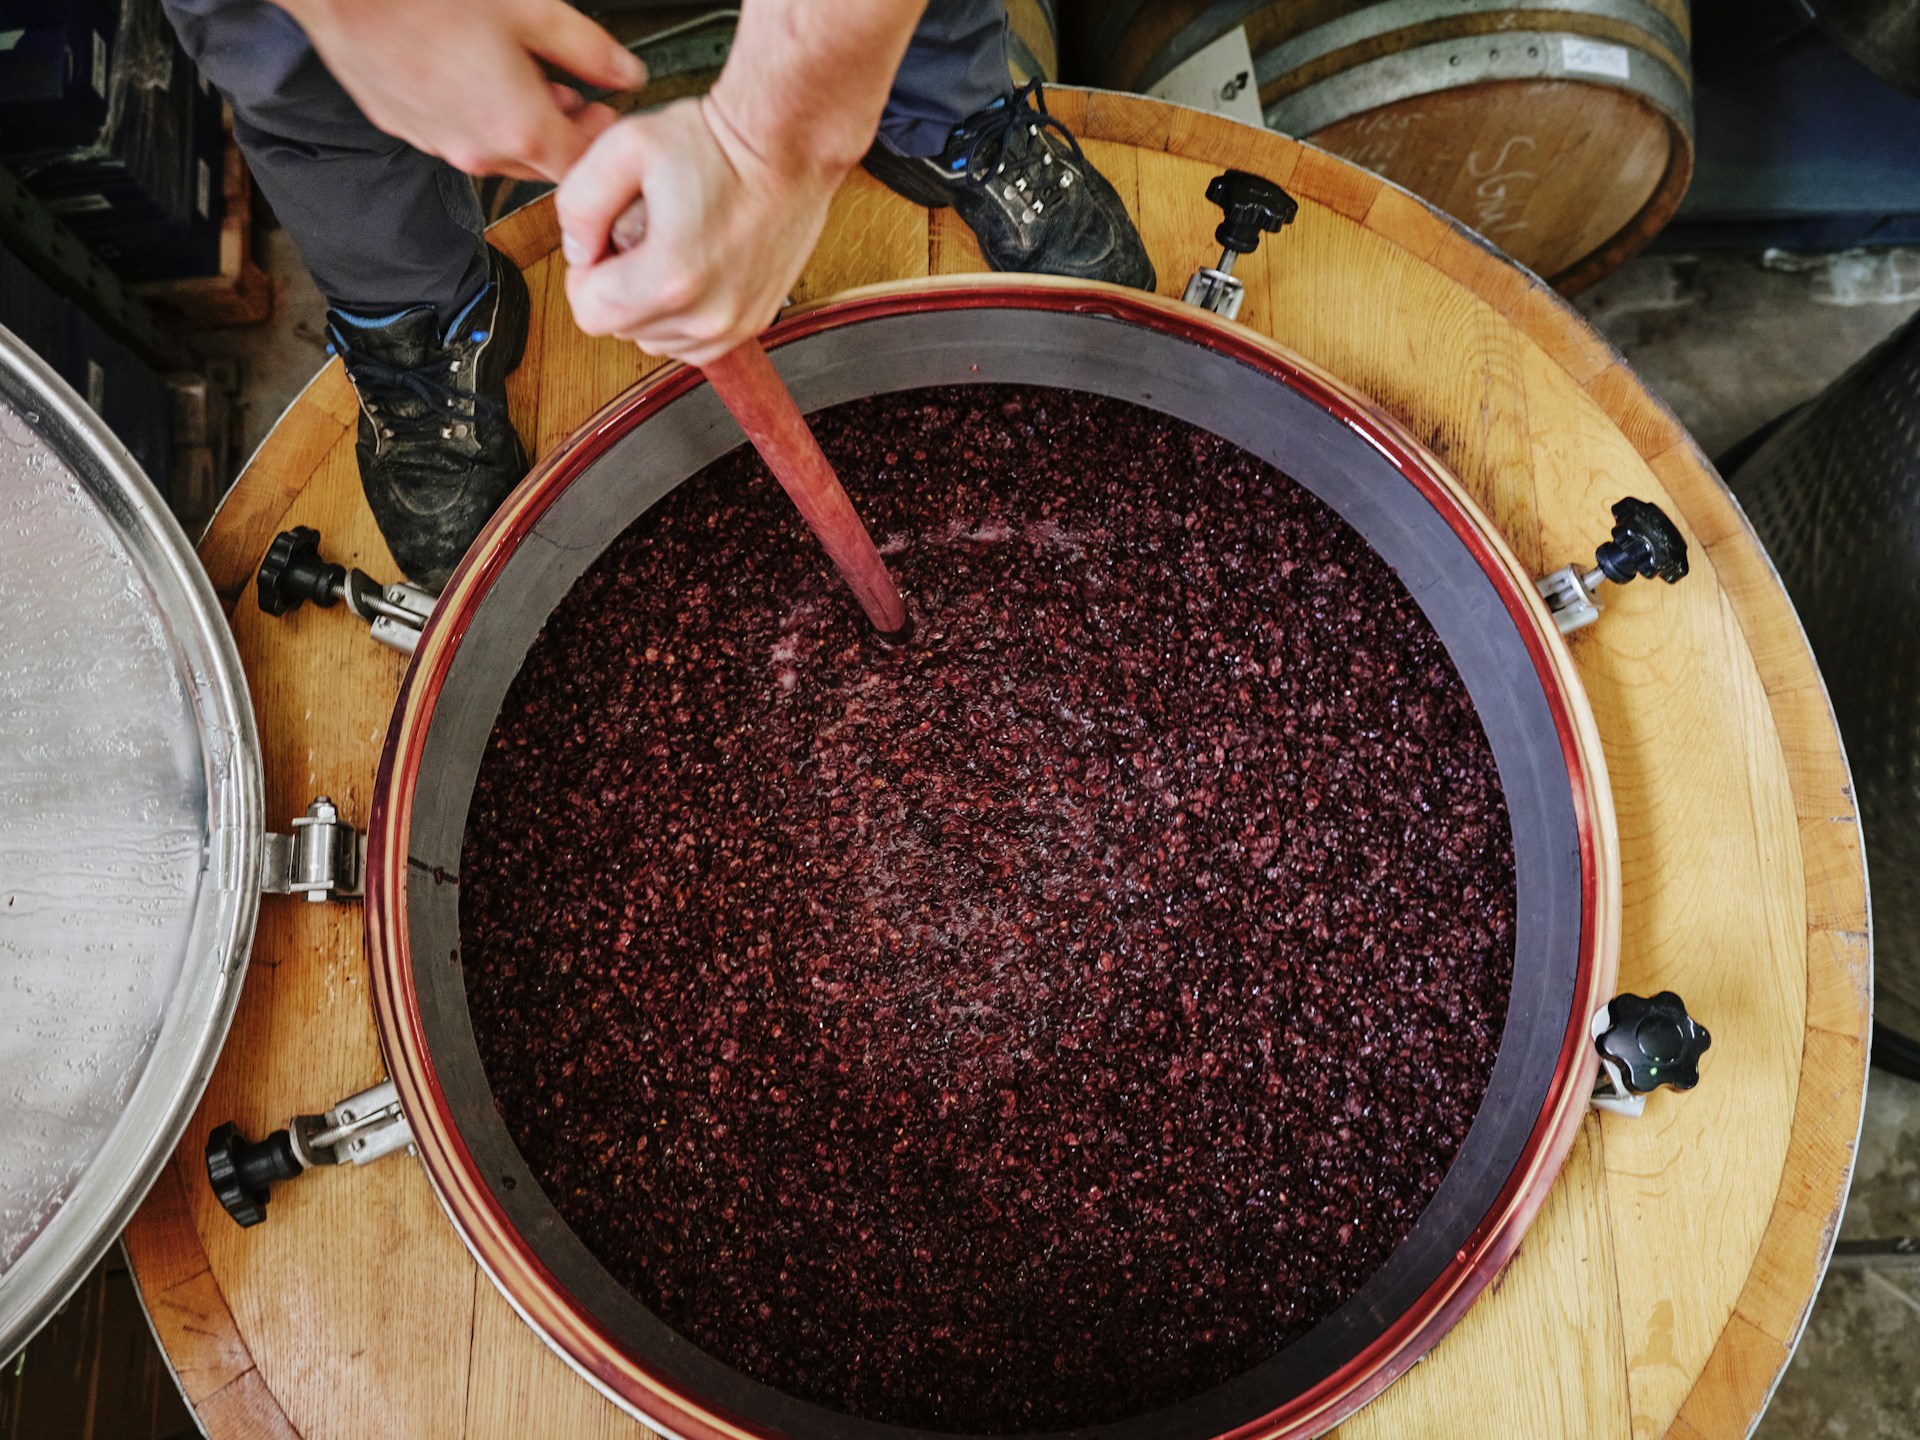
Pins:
x,y
279,358
1856,1375
1728,343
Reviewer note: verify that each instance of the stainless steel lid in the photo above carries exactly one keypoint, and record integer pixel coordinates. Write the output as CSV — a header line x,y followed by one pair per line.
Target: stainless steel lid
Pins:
x,y
130,838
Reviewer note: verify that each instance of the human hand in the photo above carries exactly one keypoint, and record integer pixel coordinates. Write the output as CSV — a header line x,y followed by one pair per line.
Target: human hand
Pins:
x,y
460,78
727,232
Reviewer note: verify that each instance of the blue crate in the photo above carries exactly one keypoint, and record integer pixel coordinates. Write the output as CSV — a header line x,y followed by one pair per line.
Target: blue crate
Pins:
x,y
124,391
141,187
54,76
31,310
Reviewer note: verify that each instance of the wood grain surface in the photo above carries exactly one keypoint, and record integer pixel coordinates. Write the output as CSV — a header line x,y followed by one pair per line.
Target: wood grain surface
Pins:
x,y
1663,1286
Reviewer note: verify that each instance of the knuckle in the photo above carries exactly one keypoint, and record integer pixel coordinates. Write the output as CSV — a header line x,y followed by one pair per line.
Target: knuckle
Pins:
x,y
588,313
677,291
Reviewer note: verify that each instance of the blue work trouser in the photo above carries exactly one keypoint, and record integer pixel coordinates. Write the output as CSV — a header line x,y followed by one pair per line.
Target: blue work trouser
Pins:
x,y
383,226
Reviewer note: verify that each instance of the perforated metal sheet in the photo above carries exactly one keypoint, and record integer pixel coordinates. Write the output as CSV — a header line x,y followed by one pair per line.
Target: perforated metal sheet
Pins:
x,y
1835,495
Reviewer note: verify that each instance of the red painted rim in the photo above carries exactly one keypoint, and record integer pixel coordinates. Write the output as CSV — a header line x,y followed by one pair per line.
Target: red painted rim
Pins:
x,y
524,1279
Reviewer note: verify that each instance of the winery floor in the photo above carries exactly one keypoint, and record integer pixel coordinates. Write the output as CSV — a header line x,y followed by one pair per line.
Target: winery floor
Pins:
x,y
1729,342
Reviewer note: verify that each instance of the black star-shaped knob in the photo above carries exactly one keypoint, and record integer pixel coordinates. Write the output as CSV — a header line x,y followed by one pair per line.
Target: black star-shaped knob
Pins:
x,y
293,573
1655,1041
243,1172
1645,545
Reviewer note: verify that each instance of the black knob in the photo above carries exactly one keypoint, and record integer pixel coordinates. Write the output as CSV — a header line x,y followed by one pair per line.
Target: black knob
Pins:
x,y
1655,1041
1645,544
293,573
1253,206
242,1172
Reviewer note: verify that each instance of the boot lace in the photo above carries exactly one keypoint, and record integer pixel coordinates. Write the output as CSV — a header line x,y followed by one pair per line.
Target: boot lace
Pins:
x,y
422,402
1013,144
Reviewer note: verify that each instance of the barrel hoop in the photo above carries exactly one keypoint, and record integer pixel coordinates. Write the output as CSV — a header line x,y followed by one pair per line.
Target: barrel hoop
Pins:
x,y
1486,26
1451,64
1372,22
1378,21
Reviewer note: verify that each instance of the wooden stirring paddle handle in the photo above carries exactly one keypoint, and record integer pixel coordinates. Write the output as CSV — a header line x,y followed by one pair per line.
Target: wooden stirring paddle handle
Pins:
x,y
752,389
760,401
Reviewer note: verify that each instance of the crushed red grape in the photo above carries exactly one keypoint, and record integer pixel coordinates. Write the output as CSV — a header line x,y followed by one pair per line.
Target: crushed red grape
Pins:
x,y
1033,1026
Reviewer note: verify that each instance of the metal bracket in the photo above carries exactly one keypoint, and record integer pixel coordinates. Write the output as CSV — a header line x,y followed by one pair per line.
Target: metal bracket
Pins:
x,y
323,859
1213,287
1610,1090
1572,595
361,1128
395,613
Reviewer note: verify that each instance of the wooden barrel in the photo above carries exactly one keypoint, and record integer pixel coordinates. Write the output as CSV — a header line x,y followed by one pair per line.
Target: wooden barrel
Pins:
x,y
1033,40
1663,1286
1562,130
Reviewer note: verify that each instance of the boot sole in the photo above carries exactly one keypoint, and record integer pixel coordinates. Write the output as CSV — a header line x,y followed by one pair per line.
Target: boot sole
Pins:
x,y
906,178
516,309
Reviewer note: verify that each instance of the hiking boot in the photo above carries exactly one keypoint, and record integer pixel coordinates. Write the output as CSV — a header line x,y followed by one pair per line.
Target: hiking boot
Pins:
x,y
1017,177
437,450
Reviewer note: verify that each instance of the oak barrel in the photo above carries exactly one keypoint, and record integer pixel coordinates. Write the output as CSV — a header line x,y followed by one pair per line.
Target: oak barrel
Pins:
x,y
1562,130
1033,40
1663,1286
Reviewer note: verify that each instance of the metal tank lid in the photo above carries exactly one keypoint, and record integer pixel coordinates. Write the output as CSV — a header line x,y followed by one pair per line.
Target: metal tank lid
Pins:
x,y
130,838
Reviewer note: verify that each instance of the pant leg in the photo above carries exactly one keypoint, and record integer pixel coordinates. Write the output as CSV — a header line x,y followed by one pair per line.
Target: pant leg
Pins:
x,y
955,66
381,225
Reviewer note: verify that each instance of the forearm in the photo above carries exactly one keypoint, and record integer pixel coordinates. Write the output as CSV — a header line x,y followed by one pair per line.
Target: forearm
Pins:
x,y
806,81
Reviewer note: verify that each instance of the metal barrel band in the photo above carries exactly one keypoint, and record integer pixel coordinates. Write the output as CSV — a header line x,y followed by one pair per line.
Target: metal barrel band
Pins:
x,y
1368,23
1431,69
1379,21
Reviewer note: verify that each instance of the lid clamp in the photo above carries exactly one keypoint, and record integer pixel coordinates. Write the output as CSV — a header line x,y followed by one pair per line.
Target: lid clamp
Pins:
x,y
294,572
1646,545
1645,1043
324,858
362,1128
1251,206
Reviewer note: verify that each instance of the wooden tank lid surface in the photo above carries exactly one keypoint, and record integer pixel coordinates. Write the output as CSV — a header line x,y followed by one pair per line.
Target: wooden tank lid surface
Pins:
x,y
1663,1286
